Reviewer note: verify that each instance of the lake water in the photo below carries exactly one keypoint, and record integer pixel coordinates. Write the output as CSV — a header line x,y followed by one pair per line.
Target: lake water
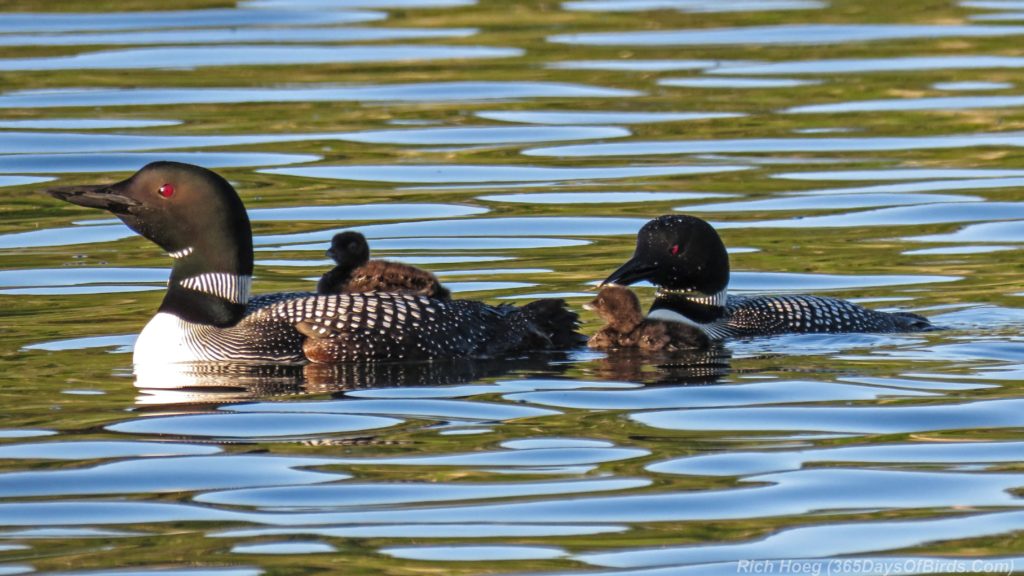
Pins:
x,y
862,149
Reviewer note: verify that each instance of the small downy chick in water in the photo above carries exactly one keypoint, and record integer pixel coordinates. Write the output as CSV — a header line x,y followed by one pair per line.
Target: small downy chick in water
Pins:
x,y
355,272
627,328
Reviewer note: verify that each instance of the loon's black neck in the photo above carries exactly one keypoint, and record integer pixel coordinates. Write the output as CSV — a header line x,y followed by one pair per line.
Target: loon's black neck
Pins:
x,y
695,306
210,286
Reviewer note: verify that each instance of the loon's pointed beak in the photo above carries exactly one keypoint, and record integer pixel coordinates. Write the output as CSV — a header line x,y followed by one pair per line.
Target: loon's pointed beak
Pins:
x,y
631,272
105,196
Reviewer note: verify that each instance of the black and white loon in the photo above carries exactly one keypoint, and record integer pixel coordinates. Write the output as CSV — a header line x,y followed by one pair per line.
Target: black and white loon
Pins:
x,y
684,257
208,313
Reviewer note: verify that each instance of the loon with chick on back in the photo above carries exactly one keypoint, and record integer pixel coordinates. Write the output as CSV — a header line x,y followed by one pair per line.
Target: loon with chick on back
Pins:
x,y
355,272
209,314
684,257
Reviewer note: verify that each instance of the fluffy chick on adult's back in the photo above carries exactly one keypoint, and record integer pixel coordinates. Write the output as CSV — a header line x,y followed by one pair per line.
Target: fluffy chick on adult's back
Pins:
x,y
355,272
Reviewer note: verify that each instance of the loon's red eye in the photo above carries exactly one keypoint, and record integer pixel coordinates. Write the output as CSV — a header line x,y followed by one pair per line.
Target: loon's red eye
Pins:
x,y
167,190
675,249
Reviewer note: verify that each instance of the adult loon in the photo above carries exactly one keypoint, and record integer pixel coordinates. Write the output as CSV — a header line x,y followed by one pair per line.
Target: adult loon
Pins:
x,y
627,328
684,257
355,272
208,313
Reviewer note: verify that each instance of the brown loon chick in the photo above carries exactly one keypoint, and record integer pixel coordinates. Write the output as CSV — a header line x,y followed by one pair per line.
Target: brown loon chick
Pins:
x,y
355,272
627,327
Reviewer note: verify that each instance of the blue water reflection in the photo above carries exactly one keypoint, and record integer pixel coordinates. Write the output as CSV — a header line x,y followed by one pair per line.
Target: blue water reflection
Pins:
x,y
868,152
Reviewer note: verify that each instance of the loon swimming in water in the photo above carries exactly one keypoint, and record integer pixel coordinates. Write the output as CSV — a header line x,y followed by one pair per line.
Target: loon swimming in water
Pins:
x,y
627,327
208,313
355,272
684,257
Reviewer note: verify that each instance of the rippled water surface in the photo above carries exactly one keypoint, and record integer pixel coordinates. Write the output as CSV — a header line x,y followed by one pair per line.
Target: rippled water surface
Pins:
x,y
863,149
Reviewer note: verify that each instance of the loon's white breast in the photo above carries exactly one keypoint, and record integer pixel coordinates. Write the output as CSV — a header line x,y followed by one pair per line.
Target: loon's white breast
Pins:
x,y
164,340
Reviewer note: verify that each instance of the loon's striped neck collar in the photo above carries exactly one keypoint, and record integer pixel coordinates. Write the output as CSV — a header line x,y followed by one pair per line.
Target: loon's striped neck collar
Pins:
x,y
231,287
717,300
211,282
688,306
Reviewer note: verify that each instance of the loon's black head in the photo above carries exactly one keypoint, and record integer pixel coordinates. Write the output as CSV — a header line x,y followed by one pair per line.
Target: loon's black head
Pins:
x,y
678,253
198,218
181,207
349,248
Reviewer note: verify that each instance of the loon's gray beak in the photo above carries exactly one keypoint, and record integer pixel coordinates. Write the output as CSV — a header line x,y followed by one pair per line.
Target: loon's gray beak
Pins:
x,y
105,196
632,271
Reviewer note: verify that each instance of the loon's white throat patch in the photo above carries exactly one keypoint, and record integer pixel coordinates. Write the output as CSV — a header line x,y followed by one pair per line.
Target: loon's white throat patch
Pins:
x,y
717,299
231,287
177,254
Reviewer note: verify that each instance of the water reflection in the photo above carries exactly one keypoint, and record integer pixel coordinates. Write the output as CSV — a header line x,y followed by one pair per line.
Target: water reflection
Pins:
x,y
778,145
791,34
412,92
57,22
214,384
423,531
829,540
442,129
905,104
693,6
234,35
861,419
34,142
248,55
575,117
723,82
640,65
131,161
903,174
450,173
873,65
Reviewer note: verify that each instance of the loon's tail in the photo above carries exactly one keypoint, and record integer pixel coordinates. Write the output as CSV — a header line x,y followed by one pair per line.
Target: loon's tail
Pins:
x,y
553,324
910,322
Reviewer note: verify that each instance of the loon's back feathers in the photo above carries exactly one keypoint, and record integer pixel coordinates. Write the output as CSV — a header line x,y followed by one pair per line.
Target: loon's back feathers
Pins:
x,y
766,315
552,324
398,326
355,272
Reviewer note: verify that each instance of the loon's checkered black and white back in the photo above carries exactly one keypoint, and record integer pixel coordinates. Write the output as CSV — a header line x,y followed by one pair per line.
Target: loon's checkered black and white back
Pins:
x,y
765,315
380,326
